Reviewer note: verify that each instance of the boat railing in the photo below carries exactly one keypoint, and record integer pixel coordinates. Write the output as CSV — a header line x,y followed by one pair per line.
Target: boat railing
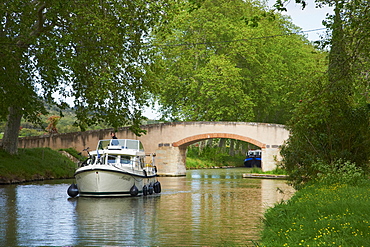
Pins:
x,y
125,161
120,143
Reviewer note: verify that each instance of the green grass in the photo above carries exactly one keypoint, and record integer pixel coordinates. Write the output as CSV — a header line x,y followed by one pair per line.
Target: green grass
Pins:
x,y
199,162
276,171
321,214
74,153
34,164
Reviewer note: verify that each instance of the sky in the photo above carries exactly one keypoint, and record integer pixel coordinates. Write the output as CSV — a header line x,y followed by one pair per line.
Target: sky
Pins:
x,y
308,19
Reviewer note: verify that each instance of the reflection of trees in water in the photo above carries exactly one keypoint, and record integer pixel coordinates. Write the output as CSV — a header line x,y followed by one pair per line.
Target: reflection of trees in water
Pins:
x,y
209,207
8,216
113,220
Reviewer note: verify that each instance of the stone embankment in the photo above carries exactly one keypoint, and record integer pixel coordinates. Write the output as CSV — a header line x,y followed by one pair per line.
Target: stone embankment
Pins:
x,y
268,176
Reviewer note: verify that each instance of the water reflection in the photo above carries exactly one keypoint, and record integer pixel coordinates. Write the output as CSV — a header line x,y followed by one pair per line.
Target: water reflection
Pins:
x,y
120,221
29,217
207,207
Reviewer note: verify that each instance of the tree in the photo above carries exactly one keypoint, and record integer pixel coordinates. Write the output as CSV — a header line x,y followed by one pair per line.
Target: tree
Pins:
x,y
332,125
93,51
232,61
52,126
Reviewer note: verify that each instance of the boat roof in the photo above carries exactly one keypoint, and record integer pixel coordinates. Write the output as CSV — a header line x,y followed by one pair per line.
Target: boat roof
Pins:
x,y
112,144
254,151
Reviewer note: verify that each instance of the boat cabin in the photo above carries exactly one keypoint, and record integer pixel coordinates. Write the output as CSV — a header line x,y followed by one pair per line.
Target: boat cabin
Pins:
x,y
254,153
119,152
253,158
120,144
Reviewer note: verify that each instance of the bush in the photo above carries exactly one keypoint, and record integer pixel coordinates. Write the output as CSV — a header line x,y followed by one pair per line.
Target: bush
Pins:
x,y
339,172
30,132
327,130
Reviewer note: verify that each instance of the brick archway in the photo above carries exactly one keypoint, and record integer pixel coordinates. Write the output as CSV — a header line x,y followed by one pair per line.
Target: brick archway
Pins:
x,y
196,138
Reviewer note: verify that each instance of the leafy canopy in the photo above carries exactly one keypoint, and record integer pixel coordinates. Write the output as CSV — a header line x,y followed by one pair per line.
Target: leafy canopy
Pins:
x,y
231,61
92,51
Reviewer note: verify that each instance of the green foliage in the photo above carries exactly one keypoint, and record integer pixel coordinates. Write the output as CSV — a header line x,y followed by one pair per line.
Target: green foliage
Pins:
x,y
340,172
196,163
34,164
214,66
322,132
215,155
276,171
66,124
331,125
74,153
208,157
320,215
94,52
30,132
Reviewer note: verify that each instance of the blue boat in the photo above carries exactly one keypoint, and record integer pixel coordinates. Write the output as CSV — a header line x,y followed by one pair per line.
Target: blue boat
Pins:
x,y
253,158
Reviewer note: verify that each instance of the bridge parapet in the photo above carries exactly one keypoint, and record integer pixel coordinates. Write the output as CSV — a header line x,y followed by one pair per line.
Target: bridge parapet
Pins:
x,y
169,140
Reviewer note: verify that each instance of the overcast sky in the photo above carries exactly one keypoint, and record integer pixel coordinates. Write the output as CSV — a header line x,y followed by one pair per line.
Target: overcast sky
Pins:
x,y
308,19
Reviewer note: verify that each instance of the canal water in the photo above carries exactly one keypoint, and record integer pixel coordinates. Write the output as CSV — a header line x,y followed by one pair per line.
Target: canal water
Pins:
x,y
210,207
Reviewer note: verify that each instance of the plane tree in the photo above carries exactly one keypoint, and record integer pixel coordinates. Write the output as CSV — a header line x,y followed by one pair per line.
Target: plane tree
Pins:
x,y
91,51
225,60
331,127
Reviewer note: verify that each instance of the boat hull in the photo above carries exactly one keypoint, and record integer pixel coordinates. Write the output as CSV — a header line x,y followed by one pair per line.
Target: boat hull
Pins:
x,y
252,162
109,182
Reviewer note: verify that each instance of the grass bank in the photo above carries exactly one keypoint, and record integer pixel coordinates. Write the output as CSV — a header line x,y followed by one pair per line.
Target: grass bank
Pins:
x,y
34,164
200,163
321,214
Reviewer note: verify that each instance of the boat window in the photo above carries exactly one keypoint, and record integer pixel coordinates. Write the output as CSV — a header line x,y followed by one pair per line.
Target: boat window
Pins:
x,y
132,144
125,160
103,144
141,146
121,143
114,142
254,152
111,159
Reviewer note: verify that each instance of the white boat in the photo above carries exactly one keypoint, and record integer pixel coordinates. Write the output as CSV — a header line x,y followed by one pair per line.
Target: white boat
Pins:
x,y
118,167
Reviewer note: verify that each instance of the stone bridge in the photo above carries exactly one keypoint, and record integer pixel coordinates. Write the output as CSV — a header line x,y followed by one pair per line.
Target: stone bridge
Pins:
x,y
170,140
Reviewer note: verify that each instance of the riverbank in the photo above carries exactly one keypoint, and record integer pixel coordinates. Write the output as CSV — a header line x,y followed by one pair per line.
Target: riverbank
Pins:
x,y
321,215
206,163
34,164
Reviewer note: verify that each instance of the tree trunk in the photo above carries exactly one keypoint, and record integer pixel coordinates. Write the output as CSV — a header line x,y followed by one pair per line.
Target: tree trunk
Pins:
x,y
237,148
231,150
10,138
222,144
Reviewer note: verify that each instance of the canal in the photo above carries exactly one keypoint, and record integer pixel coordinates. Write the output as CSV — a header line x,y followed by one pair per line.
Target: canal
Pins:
x,y
210,207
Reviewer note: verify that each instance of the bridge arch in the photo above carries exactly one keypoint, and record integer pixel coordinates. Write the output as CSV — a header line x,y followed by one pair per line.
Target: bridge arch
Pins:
x,y
169,140
196,138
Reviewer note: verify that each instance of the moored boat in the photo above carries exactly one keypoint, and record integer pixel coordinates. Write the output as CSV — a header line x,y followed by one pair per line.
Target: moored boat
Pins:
x,y
253,158
118,167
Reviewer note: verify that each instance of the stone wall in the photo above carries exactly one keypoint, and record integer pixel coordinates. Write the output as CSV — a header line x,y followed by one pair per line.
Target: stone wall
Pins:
x,y
170,140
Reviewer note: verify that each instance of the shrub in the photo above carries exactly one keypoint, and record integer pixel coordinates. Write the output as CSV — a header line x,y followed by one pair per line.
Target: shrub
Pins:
x,y
342,172
30,132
